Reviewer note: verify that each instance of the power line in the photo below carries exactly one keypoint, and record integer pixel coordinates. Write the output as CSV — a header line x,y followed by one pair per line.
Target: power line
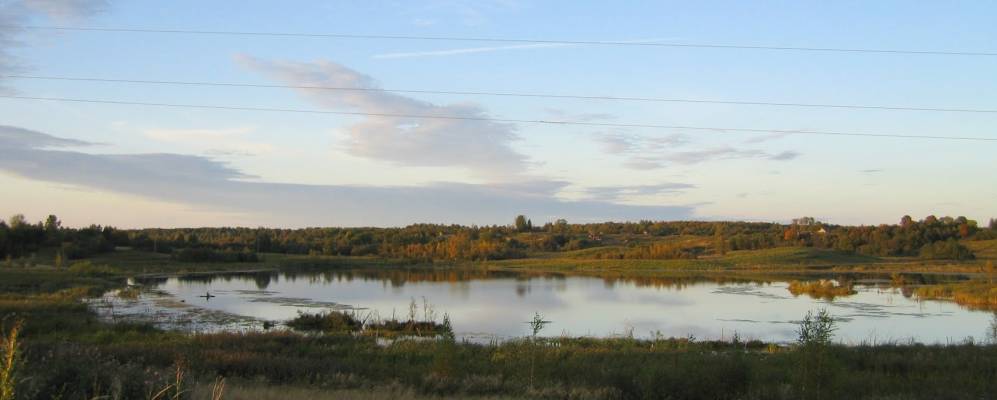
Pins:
x,y
507,40
500,120
508,94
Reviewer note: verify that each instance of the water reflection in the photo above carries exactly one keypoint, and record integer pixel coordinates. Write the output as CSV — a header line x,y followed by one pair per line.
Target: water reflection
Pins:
x,y
488,302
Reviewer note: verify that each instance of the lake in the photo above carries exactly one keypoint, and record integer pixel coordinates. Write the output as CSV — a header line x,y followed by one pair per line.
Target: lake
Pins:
x,y
496,305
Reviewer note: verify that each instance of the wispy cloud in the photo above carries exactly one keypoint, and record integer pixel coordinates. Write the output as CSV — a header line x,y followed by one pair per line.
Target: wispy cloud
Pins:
x,y
621,193
484,147
208,183
653,152
635,145
19,12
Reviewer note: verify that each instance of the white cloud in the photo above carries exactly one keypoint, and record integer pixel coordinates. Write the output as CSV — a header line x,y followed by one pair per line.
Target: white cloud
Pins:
x,y
483,147
203,181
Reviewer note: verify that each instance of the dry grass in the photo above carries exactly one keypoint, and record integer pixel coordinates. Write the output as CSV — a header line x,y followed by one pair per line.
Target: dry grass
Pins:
x,y
261,392
978,294
8,361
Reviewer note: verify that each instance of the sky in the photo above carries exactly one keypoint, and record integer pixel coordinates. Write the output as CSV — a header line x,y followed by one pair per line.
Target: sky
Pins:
x,y
142,166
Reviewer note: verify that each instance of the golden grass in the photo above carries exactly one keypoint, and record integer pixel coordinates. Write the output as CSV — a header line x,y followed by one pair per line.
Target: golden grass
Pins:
x,y
980,294
8,361
822,289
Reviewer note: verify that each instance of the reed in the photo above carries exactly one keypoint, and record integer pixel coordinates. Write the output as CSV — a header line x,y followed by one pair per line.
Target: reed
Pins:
x,y
822,289
9,359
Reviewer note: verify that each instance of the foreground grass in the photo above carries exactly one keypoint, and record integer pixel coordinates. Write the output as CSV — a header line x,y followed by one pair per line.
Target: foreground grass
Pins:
x,y
131,364
256,391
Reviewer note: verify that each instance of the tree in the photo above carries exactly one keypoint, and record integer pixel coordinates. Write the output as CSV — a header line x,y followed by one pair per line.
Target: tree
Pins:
x,y
52,224
561,226
720,242
906,221
17,221
522,224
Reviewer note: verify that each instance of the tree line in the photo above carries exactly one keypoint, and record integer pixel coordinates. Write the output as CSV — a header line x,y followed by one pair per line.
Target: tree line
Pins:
x,y
931,237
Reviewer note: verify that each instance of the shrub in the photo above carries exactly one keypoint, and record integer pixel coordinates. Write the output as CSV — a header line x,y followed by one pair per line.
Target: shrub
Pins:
x,y
330,322
816,371
946,250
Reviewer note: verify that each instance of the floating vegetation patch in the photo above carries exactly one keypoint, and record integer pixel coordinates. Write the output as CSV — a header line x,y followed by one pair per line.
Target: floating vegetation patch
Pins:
x,y
822,289
979,294
164,311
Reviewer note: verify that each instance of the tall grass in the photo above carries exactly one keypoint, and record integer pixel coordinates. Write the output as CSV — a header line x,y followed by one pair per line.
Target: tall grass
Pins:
x,y
9,359
979,293
370,324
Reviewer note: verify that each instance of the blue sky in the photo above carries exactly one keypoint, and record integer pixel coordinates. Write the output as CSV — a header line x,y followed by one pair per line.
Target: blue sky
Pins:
x,y
91,162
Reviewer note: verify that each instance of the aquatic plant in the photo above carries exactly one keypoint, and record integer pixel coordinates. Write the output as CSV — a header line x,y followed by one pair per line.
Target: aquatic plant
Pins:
x,y
329,322
537,324
822,289
979,293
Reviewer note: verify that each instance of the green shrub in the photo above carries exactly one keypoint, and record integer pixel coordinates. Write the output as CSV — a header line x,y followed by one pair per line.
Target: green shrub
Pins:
x,y
946,250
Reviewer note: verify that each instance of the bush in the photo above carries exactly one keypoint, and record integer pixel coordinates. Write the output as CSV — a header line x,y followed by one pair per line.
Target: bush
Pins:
x,y
946,250
329,322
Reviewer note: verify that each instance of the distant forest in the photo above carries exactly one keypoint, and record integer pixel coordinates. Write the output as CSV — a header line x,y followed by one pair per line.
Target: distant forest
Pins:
x,y
931,237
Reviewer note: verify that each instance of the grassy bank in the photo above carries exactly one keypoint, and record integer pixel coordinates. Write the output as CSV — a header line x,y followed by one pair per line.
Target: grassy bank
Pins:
x,y
132,363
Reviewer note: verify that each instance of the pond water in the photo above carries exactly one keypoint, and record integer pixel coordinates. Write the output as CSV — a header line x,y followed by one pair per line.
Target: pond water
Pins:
x,y
484,305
